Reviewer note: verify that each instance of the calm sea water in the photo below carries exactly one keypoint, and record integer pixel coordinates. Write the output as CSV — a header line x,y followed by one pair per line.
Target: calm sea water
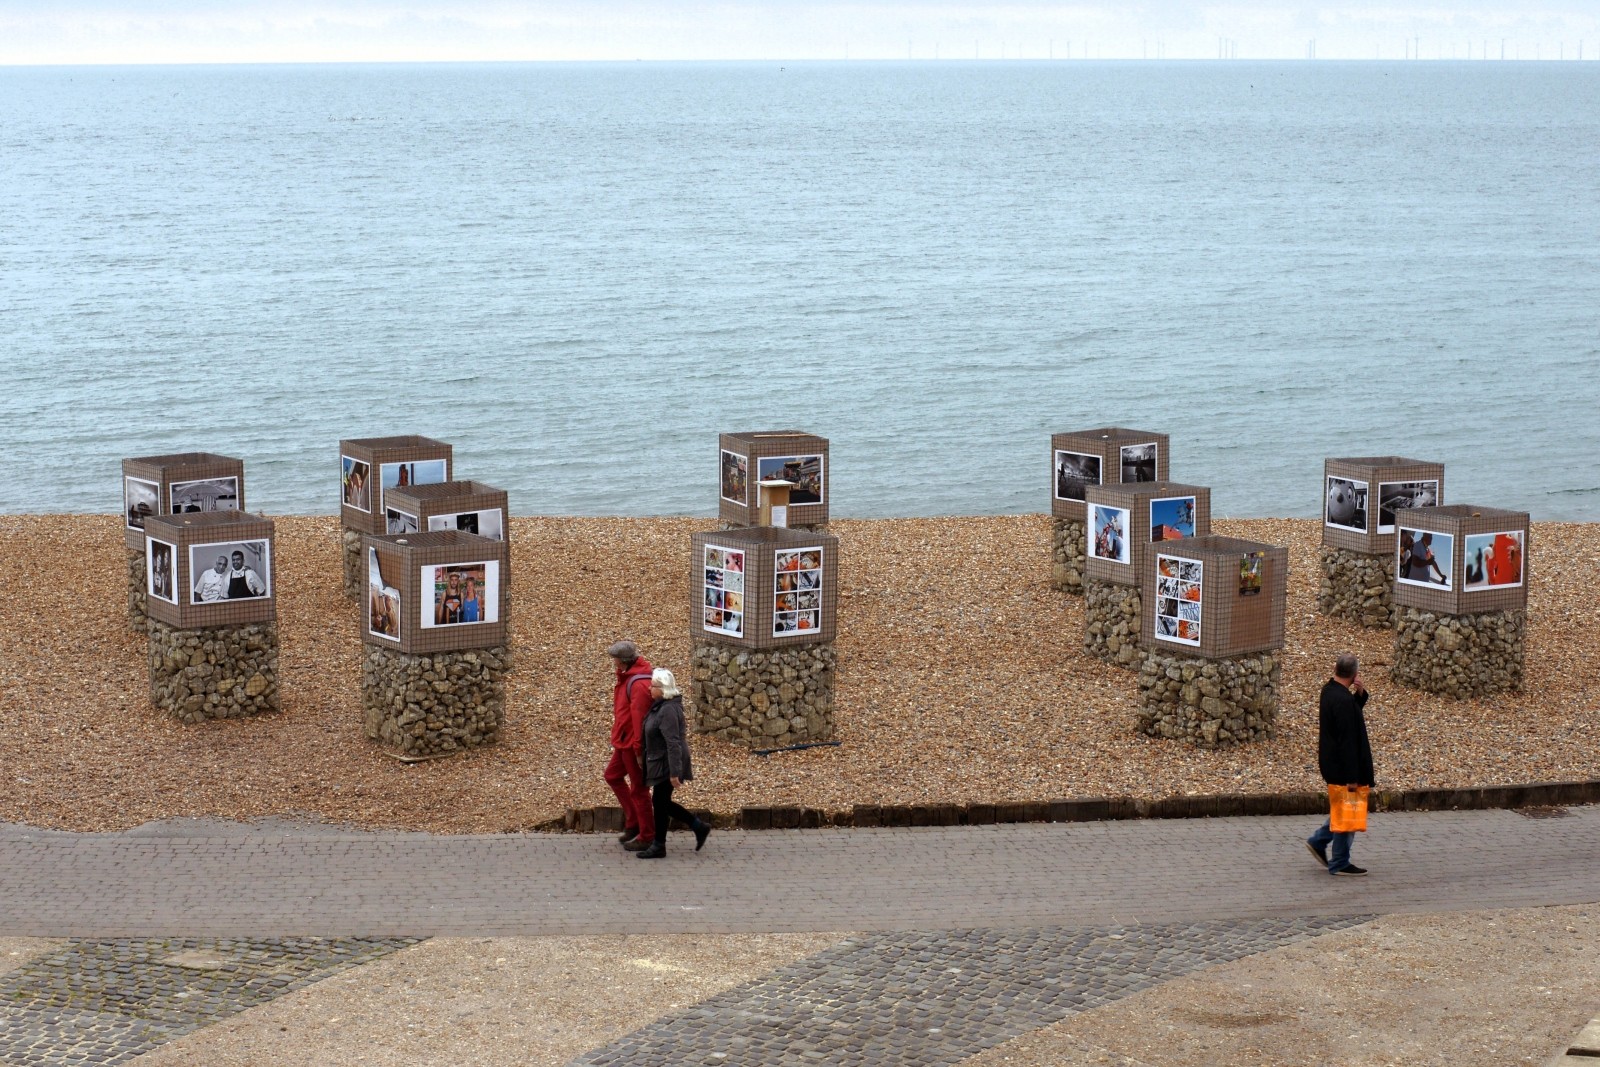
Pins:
x,y
580,275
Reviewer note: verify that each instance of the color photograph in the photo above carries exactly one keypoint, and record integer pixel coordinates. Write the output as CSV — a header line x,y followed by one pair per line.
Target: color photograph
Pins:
x,y
460,594
383,601
490,523
724,586
420,472
205,494
140,500
735,478
797,578
1250,567
804,471
160,571
1139,462
1345,507
354,476
230,570
1425,558
1172,518
1397,496
396,521
1494,560
1075,472
1178,615
1108,538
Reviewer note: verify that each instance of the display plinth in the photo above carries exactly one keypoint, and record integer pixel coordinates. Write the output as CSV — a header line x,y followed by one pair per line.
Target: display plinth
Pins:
x,y
1461,597
1212,623
220,672
181,483
368,467
746,458
1361,496
1111,614
762,625
434,704
1079,460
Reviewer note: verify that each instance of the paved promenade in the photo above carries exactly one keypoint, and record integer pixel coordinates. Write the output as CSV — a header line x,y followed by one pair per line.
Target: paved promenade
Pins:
x,y
218,880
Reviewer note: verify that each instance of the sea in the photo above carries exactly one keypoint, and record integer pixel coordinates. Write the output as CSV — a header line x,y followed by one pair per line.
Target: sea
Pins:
x,y
581,274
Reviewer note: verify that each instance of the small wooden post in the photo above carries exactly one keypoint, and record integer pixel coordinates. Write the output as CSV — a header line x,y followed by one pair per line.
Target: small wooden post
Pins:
x,y
775,501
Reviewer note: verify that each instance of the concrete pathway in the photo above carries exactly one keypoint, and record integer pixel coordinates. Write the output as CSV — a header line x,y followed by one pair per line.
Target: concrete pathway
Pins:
x,y
198,879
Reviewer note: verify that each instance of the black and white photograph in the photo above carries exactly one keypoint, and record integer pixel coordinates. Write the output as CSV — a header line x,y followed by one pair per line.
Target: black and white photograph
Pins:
x,y
1139,462
396,521
724,599
383,601
804,471
205,494
490,523
160,561
1398,496
460,594
735,478
1108,533
1345,507
140,500
355,490
1075,472
230,570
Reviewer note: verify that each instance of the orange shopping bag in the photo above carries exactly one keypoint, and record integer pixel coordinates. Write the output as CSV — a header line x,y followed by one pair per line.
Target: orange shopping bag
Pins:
x,y
1347,808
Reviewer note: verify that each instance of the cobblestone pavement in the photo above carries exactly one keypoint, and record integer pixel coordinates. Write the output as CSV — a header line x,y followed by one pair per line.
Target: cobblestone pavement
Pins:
x,y
106,1002
225,880
920,1000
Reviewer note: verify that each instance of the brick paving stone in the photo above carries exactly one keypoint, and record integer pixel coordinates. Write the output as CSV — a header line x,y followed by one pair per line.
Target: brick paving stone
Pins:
x,y
106,1002
917,999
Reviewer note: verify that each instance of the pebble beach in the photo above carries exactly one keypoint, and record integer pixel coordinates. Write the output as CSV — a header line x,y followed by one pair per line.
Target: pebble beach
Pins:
x,y
961,679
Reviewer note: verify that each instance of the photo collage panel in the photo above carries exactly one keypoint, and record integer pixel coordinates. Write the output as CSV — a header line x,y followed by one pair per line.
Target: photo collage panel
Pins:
x,y
797,591
490,523
1109,533
1425,558
1075,472
161,570
1139,462
205,494
460,594
383,601
735,478
1178,583
1172,518
724,588
230,570
1397,496
354,488
140,500
1346,505
804,471
1494,560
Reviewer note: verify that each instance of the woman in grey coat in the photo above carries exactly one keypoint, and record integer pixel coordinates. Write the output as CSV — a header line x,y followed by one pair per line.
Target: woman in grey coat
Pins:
x,y
666,763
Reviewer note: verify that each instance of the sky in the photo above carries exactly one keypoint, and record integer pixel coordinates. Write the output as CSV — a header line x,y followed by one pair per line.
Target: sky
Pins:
x,y
299,31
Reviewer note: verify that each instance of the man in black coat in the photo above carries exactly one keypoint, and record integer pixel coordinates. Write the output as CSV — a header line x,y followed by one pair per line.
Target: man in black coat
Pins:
x,y
1343,755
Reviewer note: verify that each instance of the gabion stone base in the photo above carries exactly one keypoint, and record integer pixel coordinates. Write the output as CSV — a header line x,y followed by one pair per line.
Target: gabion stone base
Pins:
x,y
1459,656
1111,622
138,590
1209,703
220,672
1357,586
782,696
432,704
355,568
1067,549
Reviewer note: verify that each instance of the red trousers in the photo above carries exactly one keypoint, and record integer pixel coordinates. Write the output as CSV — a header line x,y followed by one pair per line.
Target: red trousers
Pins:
x,y
626,779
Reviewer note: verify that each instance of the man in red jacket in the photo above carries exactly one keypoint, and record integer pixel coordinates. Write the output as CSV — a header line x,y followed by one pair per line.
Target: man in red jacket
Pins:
x,y
630,702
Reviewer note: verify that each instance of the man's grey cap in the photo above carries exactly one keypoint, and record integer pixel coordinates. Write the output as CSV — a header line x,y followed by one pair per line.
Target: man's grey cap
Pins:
x,y
624,650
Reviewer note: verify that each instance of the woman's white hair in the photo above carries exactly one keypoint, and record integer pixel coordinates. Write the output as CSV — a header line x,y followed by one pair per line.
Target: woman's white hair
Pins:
x,y
669,685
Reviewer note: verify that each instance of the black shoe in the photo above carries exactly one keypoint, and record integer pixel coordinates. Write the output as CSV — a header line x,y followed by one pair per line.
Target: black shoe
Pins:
x,y
1322,856
626,836
702,830
635,845
656,850
1352,871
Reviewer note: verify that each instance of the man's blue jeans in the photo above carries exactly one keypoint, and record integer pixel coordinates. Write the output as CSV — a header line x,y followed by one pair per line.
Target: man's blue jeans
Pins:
x,y
1336,845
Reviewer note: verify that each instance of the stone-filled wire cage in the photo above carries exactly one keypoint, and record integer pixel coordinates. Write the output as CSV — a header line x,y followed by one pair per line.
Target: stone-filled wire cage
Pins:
x,y
200,482
745,458
467,506
364,463
1462,559
763,587
1124,522
1109,455
1361,497
421,589
1214,597
186,589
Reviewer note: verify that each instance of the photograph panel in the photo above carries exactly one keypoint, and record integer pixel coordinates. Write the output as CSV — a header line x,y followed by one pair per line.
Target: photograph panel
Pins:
x,y
396,521
1139,462
1171,518
735,478
205,494
1345,504
1493,560
161,570
797,573
383,601
1108,536
355,488
1251,565
420,472
489,522
724,585
804,471
1398,496
1424,558
140,500
1178,617
1075,472
230,570
460,594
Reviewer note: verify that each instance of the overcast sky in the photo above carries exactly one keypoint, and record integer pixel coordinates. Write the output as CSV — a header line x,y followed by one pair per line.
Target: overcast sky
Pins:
x,y
234,31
